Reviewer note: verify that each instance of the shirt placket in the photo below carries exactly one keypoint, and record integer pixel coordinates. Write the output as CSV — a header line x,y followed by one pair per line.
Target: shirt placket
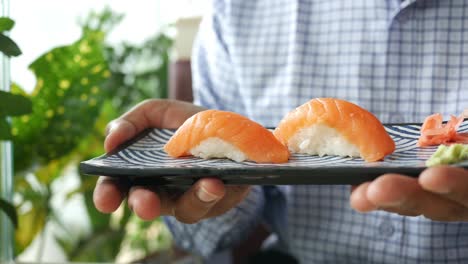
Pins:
x,y
388,236
399,11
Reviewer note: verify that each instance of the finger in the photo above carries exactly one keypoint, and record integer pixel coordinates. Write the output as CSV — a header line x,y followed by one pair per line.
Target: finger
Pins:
x,y
358,199
144,202
404,195
450,182
392,190
108,194
193,205
234,195
119,131
150,113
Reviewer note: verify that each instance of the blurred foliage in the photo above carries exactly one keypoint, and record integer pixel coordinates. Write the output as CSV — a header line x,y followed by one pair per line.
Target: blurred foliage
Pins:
x,y
80,88
153,239
10,211
7,45
33,211
6,24
10,105
68,92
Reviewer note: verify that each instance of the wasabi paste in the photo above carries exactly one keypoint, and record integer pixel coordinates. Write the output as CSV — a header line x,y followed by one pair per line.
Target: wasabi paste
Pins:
x,y
448,155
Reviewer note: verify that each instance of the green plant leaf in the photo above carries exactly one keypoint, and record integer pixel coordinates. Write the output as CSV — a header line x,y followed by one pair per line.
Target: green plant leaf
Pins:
x,y
65,243
66,100
10,211
32,212
32,223
99,247
5,132
46,173
103,21
8,46
24,154
13,104
163,77
6,24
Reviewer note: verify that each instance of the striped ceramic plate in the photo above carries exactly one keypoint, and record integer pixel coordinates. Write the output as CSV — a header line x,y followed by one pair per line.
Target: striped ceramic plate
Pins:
x,y
144,161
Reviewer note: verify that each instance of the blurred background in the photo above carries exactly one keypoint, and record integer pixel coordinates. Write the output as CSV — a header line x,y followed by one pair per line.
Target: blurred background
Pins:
x,y
84,63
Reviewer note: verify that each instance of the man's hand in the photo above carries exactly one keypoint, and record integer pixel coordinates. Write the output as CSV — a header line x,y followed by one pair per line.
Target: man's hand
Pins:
x,y
440,193
206,198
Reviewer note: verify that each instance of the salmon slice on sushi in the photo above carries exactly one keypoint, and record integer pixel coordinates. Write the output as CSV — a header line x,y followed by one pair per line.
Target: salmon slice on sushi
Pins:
x,y
329,126
223,134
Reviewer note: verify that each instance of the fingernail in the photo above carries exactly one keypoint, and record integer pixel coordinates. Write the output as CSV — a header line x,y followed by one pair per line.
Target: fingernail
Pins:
x,y
432,182
205,196
112,126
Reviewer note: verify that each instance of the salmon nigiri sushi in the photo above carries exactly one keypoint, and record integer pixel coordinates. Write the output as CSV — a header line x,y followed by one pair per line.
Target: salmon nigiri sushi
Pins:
x,y
329,126
222,134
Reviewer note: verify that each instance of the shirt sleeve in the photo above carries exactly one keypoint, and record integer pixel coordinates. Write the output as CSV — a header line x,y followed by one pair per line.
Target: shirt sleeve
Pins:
x,y
216,234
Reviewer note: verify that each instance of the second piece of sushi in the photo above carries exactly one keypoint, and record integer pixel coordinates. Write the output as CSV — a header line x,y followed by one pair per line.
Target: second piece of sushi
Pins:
x,y
223,134
330,126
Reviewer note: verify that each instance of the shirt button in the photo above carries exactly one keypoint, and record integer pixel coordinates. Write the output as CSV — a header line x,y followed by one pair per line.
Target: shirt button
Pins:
x,y
386,229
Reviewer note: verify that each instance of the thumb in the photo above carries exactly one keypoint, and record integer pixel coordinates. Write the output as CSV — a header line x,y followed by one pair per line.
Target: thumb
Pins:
x,y
193,205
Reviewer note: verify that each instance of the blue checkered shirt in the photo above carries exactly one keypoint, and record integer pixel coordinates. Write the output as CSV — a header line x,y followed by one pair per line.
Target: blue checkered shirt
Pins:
x,y
402,60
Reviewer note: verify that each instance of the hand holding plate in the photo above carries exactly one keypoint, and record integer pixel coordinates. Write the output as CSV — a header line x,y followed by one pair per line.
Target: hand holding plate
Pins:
x,y
208,197
440,193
